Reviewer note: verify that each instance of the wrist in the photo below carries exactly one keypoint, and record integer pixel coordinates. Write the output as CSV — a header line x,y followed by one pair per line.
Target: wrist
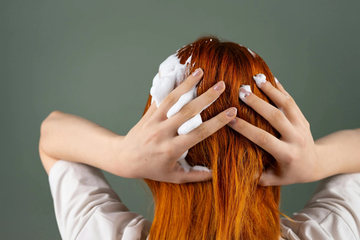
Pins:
x,y
326,165
117,164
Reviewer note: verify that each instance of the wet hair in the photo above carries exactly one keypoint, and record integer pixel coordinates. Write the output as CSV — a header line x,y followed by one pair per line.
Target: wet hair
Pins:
x,y
232,205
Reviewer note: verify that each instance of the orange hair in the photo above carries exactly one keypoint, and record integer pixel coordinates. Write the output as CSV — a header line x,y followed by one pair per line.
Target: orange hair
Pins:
x,y
231,205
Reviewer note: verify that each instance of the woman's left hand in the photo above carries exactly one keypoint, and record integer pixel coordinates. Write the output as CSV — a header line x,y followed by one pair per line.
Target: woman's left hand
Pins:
x,y
295,151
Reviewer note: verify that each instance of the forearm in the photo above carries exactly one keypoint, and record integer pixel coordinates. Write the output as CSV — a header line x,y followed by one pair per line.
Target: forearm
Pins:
x,y
339,152
72,138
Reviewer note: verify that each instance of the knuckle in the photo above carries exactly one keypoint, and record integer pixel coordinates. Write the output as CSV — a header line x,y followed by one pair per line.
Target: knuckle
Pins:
x,y
290,157
187,84
187,110
240,125
211,96
289,102
170,99
177,176
202,132
169,151
263,139
146,125
301,140
181,180
277,115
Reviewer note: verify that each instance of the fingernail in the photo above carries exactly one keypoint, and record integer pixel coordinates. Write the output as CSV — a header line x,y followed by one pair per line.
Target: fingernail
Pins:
x,y
245,91
276,80
219,86
232,112
197,72
259,79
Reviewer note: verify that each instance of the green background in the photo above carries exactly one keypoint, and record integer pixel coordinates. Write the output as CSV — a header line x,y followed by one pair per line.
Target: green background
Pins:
x,y
97,59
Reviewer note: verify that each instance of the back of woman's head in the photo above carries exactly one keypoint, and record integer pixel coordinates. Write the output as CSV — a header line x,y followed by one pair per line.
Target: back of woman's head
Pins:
x,y
231,205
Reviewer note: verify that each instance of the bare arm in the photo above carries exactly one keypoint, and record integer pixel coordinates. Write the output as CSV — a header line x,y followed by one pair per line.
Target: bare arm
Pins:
x,y
75,139
149,150
340,151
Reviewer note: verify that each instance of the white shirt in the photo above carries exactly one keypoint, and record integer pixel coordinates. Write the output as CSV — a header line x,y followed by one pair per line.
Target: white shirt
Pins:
x,y
86,207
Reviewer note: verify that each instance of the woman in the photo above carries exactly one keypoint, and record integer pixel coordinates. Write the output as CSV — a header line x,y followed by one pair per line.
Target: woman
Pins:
x,y
261,147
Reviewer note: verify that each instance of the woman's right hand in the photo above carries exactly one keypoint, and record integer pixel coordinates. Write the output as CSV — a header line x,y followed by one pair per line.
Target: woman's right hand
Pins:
x,y
295,152
151,148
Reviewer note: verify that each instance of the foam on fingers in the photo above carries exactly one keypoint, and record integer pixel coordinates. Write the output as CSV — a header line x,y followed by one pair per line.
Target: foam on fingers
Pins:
x,y
259,79
242,94
183,100
171,73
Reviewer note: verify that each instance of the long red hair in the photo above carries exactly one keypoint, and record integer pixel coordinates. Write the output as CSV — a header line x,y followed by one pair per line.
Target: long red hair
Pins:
x,y
231,205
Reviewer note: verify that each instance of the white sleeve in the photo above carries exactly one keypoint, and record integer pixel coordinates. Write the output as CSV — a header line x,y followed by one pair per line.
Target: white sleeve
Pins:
x,y
332,213
87,208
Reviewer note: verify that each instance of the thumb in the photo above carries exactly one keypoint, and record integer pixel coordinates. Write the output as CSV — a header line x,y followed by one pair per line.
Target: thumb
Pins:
x,y
196,174
269,178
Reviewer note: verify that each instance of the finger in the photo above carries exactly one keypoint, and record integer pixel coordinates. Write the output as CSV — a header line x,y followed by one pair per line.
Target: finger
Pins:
x,y
149,112
174,96
260,137
205,129
269,178
283,101
275,117
197,105
281,88
181,176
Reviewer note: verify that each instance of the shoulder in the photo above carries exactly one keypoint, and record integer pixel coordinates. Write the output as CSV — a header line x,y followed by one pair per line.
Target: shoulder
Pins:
x,y
86,206
333,210
114,221
316,224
